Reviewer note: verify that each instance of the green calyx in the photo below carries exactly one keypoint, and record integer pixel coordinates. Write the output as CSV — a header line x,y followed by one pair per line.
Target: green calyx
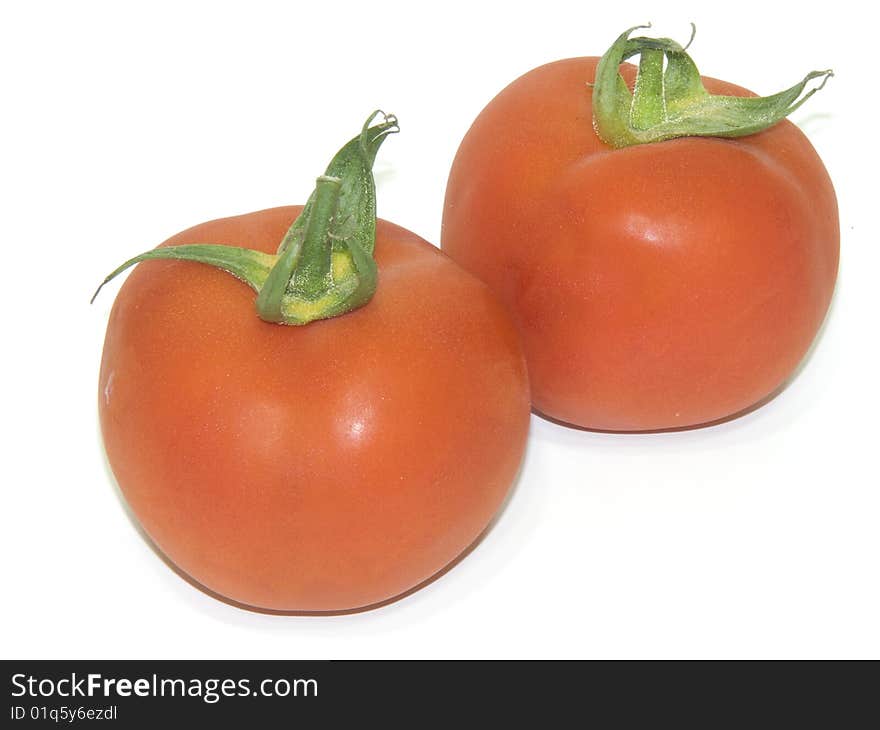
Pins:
x,y
324,266
672,102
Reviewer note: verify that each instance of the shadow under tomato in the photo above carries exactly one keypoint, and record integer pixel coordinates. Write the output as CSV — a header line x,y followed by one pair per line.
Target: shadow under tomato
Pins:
x,y
273,612
726,419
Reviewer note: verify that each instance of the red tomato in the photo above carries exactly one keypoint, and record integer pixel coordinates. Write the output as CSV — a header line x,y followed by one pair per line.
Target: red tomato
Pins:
x,y
655,286
314,468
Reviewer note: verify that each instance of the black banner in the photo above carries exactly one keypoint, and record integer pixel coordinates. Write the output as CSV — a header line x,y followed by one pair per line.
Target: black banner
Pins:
x,y
134,694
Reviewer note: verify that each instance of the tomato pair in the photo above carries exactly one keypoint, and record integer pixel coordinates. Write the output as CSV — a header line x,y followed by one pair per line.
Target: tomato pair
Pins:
x,y
653,279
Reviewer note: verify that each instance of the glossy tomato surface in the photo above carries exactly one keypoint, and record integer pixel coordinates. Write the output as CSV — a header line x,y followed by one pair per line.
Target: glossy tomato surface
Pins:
x,y
316,468
656,286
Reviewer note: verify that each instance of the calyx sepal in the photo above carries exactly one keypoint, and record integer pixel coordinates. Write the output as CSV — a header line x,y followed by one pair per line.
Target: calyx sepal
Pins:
x,y
324,266
672,101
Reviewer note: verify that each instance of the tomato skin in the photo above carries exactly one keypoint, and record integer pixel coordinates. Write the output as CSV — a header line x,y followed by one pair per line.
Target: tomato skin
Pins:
x,y
317,468
656,286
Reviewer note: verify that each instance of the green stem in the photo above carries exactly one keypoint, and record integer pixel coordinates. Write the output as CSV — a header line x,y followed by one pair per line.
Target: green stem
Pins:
x,y
673,102
324,266
648,108
314,262
304,266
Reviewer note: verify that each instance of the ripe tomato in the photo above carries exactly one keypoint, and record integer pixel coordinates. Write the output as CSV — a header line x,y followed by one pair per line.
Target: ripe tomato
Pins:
x,y
323,467
656,286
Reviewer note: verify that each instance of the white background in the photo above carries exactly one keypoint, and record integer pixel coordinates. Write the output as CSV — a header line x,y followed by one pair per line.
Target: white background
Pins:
x,y
123,123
